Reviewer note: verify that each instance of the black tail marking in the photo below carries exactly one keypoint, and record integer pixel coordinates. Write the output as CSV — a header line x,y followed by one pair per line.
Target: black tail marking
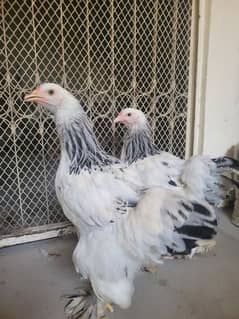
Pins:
x,y
213,222
172,216
182,214
187,207
171,182
189,244
200,232
226,162
200,209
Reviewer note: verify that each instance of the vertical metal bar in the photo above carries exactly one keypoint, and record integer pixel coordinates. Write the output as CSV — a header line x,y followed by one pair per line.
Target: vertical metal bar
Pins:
x,y
88,42
113,71
64,83
37,78
13,126
88,55
134,84
173,75
192,80
204,10
155,52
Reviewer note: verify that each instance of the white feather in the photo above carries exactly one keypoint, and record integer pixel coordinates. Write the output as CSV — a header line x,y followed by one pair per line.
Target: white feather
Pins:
x,y
126,215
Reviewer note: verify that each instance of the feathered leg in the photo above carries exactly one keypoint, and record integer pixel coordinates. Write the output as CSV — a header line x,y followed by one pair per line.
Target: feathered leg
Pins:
x,y
85,304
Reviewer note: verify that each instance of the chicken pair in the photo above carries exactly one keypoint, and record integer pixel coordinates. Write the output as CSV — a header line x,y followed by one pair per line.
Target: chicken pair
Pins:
x,y
128,214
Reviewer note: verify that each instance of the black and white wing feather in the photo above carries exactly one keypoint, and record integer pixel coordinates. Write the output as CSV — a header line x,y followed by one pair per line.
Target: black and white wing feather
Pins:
x,y
165,222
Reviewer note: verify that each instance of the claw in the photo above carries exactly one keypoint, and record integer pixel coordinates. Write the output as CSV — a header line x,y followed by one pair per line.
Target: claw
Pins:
x,y
151,268
102,308
204,246
109,307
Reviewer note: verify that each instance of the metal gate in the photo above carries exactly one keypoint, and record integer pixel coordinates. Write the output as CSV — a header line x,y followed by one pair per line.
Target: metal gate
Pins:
x,y
112,54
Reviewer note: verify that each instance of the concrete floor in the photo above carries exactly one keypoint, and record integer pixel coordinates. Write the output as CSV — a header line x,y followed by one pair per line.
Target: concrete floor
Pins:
x,y
33,277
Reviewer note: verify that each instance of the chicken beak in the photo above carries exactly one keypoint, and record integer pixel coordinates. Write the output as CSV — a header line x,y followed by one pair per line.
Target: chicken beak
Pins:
x,y
35,96
119,119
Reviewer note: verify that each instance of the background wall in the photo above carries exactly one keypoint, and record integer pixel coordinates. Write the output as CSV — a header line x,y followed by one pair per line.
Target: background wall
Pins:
x,y
220,116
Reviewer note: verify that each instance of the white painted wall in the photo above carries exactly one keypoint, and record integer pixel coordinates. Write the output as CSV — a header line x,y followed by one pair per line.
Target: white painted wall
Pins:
x,y
221,100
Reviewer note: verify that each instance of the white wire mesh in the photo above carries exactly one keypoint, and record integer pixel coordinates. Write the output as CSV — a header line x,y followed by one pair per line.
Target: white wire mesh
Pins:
x,y
112,54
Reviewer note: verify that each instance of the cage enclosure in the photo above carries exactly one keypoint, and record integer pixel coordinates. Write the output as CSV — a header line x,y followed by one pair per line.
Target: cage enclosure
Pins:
x,y
112,54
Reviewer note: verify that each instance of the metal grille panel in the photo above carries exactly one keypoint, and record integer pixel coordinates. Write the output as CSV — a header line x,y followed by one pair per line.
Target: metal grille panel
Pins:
x,y
111,54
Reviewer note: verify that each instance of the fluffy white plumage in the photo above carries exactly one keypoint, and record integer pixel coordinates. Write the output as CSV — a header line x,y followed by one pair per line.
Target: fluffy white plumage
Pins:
x,y
127,216
200,175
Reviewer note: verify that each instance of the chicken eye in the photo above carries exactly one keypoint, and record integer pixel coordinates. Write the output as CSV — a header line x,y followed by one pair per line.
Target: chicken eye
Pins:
x,y
129,114
50,92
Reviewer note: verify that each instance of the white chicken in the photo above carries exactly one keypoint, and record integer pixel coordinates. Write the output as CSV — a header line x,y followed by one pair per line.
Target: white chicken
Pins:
x,y
200,175
123,219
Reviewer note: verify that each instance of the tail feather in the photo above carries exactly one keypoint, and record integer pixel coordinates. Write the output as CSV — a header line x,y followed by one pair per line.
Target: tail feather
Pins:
x,y
204,177
231,180
201,223
199,176
197,231
226,163
192,247
176,224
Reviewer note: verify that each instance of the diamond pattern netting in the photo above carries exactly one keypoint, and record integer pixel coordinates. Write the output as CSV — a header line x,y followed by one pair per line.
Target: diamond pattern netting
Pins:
x,y
110,54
